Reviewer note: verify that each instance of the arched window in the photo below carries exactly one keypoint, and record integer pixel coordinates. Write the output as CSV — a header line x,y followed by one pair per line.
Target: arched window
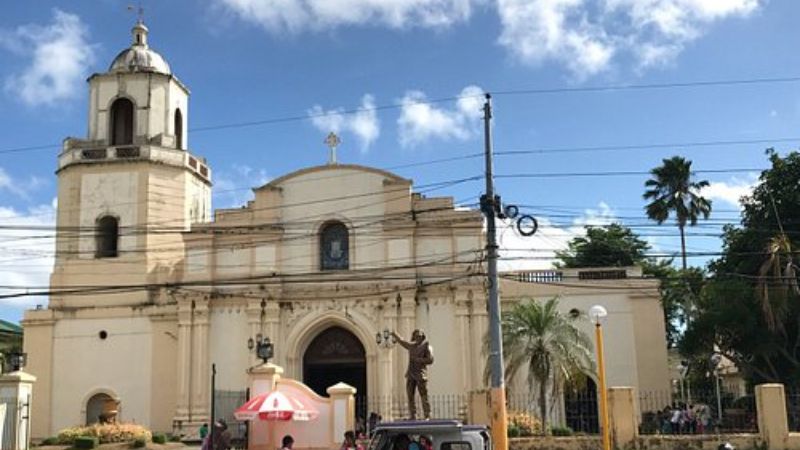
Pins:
x,y
122,122
107,237
334,250
178,129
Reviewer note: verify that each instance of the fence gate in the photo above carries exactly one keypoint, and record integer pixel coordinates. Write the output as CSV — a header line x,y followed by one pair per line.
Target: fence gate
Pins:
x,y
225,403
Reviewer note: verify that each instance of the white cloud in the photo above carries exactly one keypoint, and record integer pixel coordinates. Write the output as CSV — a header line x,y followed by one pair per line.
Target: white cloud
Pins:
x,y
363,123
420,121
59,56
586,35
298,15
731,191
538,252
20,188
233,187
26,254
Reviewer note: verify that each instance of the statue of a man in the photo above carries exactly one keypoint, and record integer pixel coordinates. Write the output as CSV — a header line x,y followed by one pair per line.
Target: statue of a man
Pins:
x,y
420,356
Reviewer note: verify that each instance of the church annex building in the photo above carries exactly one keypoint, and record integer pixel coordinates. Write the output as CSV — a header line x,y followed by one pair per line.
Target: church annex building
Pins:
x,y
322,261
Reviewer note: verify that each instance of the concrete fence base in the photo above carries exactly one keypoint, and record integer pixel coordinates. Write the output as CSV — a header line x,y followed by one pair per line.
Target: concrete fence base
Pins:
x,y
773,429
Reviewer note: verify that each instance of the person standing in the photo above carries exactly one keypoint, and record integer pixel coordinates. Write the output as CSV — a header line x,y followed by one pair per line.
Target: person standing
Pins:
x,y
350,442
287,442
221,438
420,356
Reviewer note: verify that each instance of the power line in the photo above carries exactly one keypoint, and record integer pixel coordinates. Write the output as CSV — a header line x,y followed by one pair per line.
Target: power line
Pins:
x,y
507,92
609,174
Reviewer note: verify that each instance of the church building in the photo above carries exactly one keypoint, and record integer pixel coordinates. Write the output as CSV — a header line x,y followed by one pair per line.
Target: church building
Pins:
x,y
151,287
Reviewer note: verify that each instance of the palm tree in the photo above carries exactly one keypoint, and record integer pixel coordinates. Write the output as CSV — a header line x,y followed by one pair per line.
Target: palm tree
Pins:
x,y
538,338
672,191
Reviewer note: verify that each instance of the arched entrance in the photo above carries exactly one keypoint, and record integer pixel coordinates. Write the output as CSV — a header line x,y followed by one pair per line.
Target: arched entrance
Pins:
x,y
580,406
336,355
101,408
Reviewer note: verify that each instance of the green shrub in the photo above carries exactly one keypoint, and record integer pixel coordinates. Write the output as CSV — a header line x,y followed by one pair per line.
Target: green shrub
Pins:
x,y
138,443
159,438
85,442
174,438
106,433
561,431
513,431
50,441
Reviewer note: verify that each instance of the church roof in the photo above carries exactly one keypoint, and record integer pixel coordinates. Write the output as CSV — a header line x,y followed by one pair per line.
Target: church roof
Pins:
x,y
139,57
333,167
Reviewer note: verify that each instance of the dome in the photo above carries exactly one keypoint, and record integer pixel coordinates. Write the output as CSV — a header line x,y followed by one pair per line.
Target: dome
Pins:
x,y
139,57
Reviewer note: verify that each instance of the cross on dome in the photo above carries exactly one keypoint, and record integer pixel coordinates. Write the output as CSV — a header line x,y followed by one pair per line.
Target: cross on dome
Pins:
x,y
332,141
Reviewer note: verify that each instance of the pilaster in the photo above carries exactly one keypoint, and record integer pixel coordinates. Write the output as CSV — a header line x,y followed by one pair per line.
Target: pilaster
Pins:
x,y
185,315
462,323
201,377
479,326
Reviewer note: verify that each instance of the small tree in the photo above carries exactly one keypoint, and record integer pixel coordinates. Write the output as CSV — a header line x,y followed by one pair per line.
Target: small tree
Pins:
x,y
546,343
610,246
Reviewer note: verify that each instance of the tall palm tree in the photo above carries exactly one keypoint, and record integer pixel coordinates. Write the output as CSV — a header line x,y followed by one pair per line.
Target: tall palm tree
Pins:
x,y
547,344
672,191
777,281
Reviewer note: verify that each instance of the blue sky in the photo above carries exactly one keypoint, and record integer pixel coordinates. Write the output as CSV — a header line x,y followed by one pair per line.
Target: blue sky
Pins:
x,y
254,60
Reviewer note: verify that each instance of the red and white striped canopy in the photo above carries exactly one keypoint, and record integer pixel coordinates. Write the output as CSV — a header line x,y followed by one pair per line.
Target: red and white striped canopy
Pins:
x,y
276,405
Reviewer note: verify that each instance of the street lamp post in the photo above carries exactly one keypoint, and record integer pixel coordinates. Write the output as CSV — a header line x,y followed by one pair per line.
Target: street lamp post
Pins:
x,y
598,314
715,361
262,346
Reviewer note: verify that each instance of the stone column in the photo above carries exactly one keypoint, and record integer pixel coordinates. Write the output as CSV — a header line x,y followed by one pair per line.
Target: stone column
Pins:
x,y
480,323
387,379
185,313
202,369
254,325
343,410
771,411
16,389
622,417
462,322
272,329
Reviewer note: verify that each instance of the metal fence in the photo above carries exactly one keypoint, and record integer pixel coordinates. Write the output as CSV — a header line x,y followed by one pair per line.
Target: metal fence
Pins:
x,y
225,403
793,408
575,410
700,412
443,406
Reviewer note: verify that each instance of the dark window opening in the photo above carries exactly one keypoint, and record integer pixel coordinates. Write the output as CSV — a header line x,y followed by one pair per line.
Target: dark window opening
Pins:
x,y
107,237
334,247
122,122
178,129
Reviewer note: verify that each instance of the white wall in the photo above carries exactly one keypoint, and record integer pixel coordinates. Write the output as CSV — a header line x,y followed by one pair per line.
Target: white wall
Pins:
x,y
83,364
228,346
108,193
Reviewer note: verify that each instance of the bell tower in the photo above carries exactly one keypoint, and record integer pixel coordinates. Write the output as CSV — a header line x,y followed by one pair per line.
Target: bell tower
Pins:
x,y
128,191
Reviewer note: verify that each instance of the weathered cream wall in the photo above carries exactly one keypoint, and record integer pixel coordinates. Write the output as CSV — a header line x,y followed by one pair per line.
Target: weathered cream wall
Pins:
x,y
228,345
38,344
444,375
164,373
84,365
155,97
117,196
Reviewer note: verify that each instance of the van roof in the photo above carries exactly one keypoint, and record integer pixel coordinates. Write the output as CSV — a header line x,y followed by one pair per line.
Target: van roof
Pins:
x,y
421,425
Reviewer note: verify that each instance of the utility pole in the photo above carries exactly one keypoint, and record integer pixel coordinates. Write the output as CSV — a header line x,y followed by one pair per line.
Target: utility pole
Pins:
x,y
490,206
